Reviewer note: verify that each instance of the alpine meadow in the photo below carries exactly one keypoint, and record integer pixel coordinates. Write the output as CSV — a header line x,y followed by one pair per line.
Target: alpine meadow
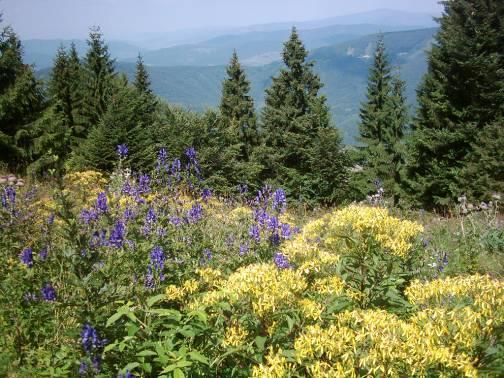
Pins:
x,y
219,191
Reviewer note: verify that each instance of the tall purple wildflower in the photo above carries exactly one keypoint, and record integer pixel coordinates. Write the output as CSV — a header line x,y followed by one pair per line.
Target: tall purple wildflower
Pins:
x,y
206,194
195,213
10,192
122,151
255,233
101,202
279,200
281,261
90,339
48,293
26,257
144,184
43,254
157,258
117,235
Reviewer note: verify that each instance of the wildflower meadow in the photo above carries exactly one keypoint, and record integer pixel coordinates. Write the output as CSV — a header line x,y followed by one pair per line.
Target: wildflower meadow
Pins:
x,y
154,275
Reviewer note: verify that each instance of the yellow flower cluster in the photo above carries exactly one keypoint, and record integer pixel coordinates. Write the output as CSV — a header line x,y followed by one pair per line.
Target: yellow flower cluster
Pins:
x,y
483,293
374,342
210,277
84,186
443,336
311,309
234,336
263,287
276,366
329,286
177,294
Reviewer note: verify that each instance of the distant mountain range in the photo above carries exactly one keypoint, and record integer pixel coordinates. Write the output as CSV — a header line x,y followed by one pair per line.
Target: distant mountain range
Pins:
x,y
191,74
343,69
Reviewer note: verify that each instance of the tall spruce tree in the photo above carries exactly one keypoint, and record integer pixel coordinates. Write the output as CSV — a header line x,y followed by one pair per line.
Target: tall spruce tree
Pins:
x,y
236,136
143,85
374,112
395,137
384,119
21,100
59,129
98,73
461,95
237,109
60,85
121,123
293,118
142,80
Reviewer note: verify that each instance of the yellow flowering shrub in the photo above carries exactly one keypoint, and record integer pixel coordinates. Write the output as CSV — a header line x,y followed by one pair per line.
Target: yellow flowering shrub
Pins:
x,y
375,342
263,287
311,309
240,213
277,366
235,335
178,294
84,186
484,294
359,222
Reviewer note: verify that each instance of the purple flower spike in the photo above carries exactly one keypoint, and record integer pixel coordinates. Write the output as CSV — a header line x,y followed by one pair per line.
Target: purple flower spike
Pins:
x,y
48,293
26,257
281,261
122,151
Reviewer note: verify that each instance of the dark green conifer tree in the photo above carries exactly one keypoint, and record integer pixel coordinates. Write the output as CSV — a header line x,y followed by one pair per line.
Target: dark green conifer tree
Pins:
x,y
374,113
142,80
462,93
293,120
384,119
98,73
21,100
236,135
121,123
60,86
237,108
395,138
143,85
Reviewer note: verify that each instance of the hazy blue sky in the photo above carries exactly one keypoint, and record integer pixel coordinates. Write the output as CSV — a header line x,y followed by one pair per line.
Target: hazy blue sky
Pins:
x,y
72,18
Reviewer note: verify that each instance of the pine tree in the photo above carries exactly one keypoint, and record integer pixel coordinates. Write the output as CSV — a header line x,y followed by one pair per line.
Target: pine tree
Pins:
x,y
122,122
293,117
237,109
143,85
60,85
142,81
395,137
98,73
21,100
384,118
462,92
373,114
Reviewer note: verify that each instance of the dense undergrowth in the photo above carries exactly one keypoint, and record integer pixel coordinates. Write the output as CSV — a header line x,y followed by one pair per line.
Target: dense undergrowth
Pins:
x,y
152,275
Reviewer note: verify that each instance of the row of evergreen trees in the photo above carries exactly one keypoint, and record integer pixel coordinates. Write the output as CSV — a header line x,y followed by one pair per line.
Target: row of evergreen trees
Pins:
x,y
453,145
88,109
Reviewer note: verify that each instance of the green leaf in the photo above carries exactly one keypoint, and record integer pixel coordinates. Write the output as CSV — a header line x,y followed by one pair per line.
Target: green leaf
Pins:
x,y
260,341
177,373
131,366
145,353
114,318
109,347
153,300
174,314
197,356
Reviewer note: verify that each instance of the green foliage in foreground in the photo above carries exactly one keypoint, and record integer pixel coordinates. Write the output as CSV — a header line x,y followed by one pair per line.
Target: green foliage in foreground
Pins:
x,y
153,276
